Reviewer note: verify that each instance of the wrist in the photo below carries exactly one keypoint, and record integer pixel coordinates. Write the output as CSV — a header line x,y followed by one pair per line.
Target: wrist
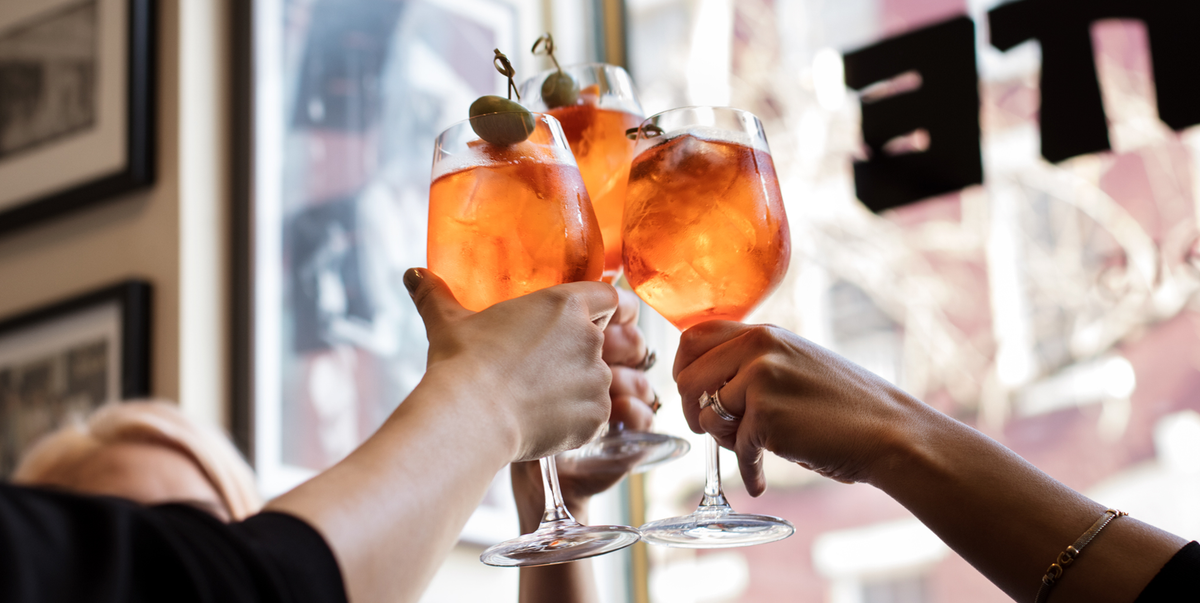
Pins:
x,y
463,391
907,441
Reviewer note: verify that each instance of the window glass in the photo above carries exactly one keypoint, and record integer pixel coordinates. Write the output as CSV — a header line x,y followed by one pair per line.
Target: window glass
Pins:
x,y
1052,305
349,97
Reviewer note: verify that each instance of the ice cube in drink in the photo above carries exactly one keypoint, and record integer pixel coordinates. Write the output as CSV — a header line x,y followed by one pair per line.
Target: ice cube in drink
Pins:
x,y
597,138
509,224
705,233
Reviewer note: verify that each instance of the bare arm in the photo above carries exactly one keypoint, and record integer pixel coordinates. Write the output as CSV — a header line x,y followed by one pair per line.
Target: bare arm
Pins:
x,y
1011,520
1003,515
393,508
573,582
631,396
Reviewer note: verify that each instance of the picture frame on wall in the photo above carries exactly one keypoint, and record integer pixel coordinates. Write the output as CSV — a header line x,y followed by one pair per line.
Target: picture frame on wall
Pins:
x,y
65,359
76,104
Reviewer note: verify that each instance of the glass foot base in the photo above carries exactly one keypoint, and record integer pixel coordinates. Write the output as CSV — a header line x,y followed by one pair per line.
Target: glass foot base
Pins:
x,y
716,530
560,543
641,449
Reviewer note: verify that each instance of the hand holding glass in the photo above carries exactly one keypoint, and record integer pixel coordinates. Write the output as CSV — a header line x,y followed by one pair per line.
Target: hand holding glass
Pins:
x,y
506,220
595,122
705,238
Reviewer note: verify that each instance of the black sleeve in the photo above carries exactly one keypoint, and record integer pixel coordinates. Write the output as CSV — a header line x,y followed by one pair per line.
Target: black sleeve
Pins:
x,y
61,547
1178,580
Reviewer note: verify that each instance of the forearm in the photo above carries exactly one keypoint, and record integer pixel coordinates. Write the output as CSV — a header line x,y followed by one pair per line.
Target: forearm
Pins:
x,y
573,582
393,508
1009,519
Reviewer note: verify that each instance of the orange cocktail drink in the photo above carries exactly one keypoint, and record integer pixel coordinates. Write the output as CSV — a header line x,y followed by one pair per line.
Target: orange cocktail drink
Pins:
x,y
597,138
597,106
595,121
705,238
508,215
506,220
701,244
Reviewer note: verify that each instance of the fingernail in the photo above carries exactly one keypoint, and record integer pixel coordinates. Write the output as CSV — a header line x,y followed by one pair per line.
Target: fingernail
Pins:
x,y
412,280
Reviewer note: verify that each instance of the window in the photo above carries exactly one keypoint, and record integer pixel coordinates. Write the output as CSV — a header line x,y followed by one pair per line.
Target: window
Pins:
x,y
1052,306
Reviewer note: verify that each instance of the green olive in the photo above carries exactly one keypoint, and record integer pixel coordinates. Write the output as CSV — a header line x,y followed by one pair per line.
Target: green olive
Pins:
x,y
559,90
500,121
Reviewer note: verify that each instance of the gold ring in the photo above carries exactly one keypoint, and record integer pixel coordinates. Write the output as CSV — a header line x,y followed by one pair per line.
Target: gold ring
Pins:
x,y
647,361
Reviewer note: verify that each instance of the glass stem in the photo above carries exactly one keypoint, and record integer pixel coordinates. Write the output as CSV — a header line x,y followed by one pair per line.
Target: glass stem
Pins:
x,y
714,499
556,510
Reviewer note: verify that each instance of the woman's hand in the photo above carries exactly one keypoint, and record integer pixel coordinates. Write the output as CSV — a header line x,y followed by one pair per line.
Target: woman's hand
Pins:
x,y
625,352
632,397
519,380
624,344
537,358
792,397
581,479
1000,513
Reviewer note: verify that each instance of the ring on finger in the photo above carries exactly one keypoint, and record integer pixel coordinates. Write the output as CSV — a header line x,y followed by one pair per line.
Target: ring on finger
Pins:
x,y
655,404
647,361
720,410
714,400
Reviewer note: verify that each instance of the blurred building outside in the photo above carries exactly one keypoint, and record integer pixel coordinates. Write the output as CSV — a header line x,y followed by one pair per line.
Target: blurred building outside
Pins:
x,y
1053,307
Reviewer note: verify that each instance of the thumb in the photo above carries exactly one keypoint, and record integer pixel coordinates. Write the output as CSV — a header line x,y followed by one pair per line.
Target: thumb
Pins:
x,y
435,302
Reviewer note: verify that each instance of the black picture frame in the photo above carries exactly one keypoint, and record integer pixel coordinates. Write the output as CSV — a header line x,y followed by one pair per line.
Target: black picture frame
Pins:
x,y
57,361
139,167
134,299
241,267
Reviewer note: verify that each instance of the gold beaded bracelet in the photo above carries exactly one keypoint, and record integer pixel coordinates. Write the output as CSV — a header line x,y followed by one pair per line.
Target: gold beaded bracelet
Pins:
x,y
1065,558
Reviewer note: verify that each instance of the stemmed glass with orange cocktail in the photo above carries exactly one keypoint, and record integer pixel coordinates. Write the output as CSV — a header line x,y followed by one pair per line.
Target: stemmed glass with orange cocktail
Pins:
x,y
706,238
509,214
596,104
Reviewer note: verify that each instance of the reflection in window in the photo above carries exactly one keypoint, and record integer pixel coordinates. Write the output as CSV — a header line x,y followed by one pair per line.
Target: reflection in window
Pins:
x,y
1033,307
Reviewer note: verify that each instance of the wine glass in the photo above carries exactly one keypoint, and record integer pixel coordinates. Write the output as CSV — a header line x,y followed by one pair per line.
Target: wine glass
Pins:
x,y
594,120
506,220
595,115
706,237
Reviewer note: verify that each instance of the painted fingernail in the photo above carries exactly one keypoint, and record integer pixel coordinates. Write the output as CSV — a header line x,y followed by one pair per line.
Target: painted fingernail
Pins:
x,y
412,280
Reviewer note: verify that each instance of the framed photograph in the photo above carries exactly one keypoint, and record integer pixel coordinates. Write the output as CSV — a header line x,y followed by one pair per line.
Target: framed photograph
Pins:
x,y
76,104
67,358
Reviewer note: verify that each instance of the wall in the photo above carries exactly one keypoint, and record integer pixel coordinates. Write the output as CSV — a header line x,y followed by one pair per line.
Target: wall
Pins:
x,y
203,192
177,227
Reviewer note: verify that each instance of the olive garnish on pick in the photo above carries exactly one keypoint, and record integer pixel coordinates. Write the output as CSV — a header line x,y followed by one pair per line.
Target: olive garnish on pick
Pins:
x,y
499,120
559,89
